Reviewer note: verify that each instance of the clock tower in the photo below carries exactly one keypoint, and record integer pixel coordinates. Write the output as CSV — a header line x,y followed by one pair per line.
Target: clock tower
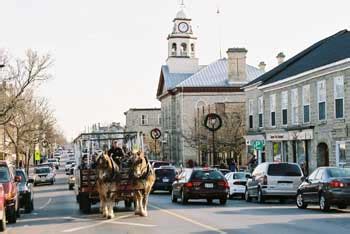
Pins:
x,y
182,45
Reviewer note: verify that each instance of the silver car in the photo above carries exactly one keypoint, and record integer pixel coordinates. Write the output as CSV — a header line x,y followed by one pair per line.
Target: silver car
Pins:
x,y
274,180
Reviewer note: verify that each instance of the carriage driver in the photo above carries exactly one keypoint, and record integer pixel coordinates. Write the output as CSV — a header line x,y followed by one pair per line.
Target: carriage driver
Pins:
x,y
116,152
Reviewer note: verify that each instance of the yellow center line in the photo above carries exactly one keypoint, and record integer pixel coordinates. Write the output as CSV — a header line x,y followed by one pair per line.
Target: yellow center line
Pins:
x,y
188,219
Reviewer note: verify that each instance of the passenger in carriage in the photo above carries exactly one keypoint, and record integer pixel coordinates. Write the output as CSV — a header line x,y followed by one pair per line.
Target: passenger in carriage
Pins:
x,y
116,153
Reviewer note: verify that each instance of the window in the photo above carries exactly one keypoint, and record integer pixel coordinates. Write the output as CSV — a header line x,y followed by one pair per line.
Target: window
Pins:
x,y
284,103
340,153
159,119
173,49
144,120
183,49
321,98
306,103
339,97
273,109
284,169
192,50
294,102
261,111
251,113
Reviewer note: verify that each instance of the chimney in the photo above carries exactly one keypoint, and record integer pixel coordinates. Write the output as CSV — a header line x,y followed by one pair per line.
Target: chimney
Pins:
x,y
262,66
236,65
280,58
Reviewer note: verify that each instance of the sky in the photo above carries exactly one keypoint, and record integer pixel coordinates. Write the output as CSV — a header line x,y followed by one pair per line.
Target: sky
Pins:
x,y
108,53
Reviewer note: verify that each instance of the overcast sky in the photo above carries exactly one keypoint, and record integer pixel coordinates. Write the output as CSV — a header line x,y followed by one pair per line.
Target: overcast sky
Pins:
x,y
108,53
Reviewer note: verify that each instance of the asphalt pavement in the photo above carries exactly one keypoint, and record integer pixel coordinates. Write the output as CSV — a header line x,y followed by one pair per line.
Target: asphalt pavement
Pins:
x,y
56,211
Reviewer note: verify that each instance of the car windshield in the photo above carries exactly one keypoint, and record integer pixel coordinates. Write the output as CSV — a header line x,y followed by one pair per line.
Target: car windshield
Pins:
x,y
42,170
284,169
339,172
4,175
165,173
69,162
207,175
22,175
239,176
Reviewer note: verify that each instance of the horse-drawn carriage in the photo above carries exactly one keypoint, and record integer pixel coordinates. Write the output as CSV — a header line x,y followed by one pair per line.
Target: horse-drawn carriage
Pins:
x,y
100,179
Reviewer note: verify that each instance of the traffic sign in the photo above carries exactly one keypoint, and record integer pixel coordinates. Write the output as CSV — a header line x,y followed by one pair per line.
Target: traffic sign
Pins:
x,y
156,133
259,145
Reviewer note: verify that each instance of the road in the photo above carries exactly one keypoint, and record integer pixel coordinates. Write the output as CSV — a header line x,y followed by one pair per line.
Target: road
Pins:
x,y
57,212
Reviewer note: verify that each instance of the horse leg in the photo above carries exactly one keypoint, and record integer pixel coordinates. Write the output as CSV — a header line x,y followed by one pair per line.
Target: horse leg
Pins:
x,y
137,201
110,206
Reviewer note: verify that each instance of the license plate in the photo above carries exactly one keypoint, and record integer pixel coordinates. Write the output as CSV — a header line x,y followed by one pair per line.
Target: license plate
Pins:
x,y
286,185
165,180
209,185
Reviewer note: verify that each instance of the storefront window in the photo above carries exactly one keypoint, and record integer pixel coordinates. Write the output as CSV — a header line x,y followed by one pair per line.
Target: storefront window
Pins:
x,y
277,156
341,153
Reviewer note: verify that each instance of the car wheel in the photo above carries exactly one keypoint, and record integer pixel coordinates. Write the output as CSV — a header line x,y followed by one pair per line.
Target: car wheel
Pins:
x,y
247,197
324,204
260,196
230,196
243,196
342,206
223,201
184,199
12,216
300,201
173,197
28,207
70,187
210,201
3,222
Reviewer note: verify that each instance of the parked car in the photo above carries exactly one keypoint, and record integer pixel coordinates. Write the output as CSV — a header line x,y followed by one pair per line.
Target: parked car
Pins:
x,y
200,183
224,171
165,176
237,182
2,209
68,165
326,186
43,175
54,162
25,189
274,180
9,182
157,164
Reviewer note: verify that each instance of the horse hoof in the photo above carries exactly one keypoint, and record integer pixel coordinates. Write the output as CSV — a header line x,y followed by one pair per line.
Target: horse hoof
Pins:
x,y
137,212
109,217
144,214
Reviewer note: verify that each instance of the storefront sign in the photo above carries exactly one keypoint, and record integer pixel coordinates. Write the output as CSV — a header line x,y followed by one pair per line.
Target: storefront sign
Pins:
x,y
303,135
259,145
277,136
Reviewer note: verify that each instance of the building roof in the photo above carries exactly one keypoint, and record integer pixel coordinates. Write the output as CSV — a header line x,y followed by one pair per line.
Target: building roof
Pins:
x,y
326,51
171,80
216,75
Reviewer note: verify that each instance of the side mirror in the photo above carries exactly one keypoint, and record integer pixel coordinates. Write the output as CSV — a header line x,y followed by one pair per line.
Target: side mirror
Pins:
x,y
306,179
30,181
18,179
248,176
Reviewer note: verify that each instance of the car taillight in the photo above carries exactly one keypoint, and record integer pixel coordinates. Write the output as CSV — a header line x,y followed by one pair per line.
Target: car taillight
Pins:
x,y
223,184
265,180
336,184
188,185
196,183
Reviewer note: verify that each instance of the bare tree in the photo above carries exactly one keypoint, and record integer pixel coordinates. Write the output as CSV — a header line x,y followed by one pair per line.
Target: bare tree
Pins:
x,y
19,75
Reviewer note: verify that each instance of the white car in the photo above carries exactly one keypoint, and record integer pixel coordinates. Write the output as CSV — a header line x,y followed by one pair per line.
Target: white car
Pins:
x,y
68,165
237,183
54,161
43,175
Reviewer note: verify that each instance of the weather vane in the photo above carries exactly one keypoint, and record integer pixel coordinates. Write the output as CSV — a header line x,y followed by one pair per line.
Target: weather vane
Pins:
x,y
182,3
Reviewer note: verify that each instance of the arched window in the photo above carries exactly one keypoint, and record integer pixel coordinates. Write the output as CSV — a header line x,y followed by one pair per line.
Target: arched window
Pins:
x,y
173,49
183,49
192,50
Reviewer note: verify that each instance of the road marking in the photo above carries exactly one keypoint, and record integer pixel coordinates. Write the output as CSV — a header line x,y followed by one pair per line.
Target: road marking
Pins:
x,y
188,219
46,204
68,218
96,224
135,224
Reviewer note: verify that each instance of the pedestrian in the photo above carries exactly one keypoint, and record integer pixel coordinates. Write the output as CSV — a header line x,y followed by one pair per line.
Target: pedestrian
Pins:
x,y
233,166
116,152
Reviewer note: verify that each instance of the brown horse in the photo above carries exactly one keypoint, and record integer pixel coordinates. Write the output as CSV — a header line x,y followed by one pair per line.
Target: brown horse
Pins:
x,y
107,171
144,177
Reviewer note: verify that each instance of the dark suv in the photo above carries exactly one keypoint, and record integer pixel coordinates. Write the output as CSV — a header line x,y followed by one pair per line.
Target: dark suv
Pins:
x,y
200,183
9,182
165,176
25,188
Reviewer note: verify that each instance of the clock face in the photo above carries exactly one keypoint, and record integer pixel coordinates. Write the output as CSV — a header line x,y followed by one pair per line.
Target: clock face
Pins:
x,y
183,27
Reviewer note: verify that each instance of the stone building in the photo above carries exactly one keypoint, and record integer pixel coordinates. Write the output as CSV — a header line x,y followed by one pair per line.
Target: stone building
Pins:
x,y
301,108
144,120
184,86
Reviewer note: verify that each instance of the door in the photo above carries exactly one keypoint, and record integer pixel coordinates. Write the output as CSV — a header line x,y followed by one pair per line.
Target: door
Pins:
x,y
315,184
322,155
179,183
307,186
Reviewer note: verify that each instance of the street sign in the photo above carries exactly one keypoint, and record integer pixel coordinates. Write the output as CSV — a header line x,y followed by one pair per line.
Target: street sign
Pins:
x,y
37,155
258,145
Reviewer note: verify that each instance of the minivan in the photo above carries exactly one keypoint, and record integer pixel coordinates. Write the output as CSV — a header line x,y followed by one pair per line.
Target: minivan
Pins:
x,y
274,180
